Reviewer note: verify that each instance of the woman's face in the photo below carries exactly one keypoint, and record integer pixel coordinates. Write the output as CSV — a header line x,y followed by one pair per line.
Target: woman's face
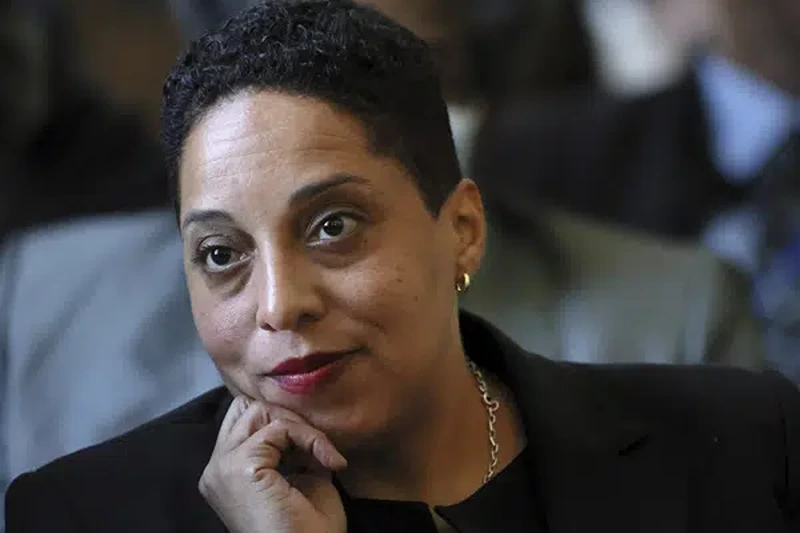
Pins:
x,y
301,243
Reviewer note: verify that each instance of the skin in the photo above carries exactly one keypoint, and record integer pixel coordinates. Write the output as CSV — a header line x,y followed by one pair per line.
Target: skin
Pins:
x,y
264,176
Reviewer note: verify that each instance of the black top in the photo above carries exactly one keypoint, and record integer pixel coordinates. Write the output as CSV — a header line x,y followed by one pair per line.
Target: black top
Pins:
x,y
623,448
506,504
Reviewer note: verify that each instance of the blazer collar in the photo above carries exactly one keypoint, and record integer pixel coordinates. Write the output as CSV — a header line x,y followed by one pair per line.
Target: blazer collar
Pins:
x,y
596,462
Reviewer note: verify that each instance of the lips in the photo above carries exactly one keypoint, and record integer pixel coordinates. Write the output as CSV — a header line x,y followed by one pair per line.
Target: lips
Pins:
x,y
309,363
305,374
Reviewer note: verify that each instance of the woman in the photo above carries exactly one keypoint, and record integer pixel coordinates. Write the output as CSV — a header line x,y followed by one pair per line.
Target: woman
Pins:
x,y
327,233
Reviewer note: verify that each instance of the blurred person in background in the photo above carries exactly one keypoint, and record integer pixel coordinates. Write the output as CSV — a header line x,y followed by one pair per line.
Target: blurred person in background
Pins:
x,y
96,334
574,288
697,161
62,138
577,289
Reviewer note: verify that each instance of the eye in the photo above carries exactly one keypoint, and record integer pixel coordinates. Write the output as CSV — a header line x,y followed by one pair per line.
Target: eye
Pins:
x,y
219,258
334,227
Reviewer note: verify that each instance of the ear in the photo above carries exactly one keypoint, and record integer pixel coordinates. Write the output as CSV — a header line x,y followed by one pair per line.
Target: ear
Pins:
x,y
464,210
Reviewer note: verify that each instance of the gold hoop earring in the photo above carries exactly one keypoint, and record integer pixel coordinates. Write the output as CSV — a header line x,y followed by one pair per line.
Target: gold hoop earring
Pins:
x,y
463,283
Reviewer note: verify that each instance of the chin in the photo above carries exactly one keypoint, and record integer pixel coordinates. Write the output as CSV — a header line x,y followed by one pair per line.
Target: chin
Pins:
x,y
349,429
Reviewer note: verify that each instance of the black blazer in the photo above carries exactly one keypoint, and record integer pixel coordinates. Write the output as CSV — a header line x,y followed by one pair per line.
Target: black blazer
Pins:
x,y
627,449
644,162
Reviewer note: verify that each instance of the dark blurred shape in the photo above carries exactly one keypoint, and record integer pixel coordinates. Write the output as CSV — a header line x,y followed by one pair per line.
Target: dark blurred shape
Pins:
x,y
643,163
32,71
688,163
521,48
493,50
777,286
487,50
68,152
125,48
649,162
197,17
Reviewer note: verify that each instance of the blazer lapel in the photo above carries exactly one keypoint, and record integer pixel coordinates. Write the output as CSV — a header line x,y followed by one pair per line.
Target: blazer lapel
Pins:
x,y
597,466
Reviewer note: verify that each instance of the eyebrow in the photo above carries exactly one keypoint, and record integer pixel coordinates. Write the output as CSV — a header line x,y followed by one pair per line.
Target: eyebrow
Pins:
x,y
206,215
301,195
307,192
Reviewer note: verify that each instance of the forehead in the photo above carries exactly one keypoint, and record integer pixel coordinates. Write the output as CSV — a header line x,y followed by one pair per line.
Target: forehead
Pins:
x,y
262,131
267,145
269,122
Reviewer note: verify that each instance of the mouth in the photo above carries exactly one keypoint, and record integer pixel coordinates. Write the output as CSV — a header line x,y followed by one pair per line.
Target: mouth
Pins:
x,y
303,375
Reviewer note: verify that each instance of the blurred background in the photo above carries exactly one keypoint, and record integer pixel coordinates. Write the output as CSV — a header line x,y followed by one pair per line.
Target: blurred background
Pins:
x,y
639,160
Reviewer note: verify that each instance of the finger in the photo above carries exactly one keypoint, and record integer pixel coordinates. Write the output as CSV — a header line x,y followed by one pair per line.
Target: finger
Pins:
x,y
235,411
276,411
284,435
253,418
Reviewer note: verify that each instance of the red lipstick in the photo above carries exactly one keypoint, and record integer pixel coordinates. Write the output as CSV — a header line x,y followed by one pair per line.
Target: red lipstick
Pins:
x,y
304,374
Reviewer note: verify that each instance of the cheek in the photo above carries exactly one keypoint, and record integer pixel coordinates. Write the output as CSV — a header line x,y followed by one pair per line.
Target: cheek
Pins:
x,y
223,327
398,294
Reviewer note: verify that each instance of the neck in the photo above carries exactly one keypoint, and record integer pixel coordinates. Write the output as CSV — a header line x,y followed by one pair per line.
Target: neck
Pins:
x,y
439,458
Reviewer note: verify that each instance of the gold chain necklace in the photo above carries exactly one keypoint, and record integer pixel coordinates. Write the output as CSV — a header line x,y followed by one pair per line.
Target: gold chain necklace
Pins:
x,y
492,406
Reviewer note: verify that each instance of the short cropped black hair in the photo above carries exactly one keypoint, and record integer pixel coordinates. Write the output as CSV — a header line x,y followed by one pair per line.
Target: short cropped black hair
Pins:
x,y
337,51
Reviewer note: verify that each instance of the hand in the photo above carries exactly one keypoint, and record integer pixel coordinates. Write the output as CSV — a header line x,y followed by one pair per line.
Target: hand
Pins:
x,y
243,486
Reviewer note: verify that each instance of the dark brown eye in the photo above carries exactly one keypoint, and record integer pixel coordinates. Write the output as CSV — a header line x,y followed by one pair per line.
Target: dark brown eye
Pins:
x,y
219,258
334,227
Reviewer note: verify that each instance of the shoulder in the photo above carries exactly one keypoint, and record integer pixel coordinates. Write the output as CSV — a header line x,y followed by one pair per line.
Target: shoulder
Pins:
x,y
713,397
753,418
153,466
735,432
151,443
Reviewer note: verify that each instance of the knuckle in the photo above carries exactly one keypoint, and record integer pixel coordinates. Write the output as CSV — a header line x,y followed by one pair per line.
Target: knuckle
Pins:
x,y
268,477
280,424
207,481
265,452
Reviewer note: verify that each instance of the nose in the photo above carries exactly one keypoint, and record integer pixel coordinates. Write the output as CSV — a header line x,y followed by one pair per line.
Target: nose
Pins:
x,y
288,293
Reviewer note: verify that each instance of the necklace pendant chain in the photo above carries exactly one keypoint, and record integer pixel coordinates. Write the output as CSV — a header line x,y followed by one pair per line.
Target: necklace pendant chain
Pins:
x,y
491,405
